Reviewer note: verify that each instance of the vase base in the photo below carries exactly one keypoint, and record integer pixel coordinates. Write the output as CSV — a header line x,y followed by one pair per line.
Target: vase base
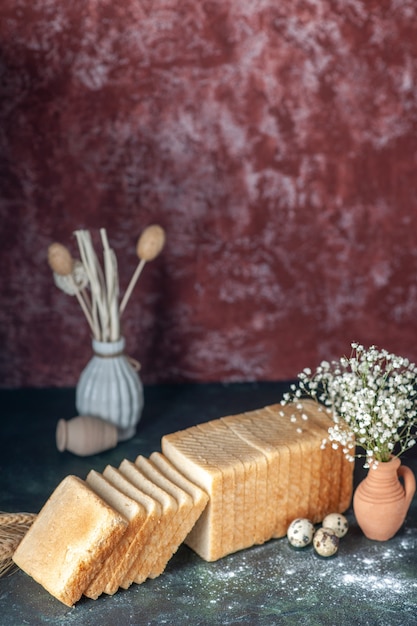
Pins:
x,y
123,434
372,536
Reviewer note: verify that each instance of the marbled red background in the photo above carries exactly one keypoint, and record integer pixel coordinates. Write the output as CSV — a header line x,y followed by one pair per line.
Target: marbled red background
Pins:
x,y
276,142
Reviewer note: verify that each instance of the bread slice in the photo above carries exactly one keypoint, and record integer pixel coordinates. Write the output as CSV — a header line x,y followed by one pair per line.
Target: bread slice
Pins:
x,y
156,552
271,434
255,480
199,496
138,552
70,539
173,537
282,429
267,474
205,452
188,456
217,440
135,514
337,499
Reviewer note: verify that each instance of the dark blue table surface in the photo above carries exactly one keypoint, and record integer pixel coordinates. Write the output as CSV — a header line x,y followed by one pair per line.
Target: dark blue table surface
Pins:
x,y
367,583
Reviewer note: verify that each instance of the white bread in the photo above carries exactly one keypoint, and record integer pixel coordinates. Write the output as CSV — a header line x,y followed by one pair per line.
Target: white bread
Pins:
x,y
283,435
335,460
156,547
199,496
306,487
173,536
185,453
250,499
267,481
139,548
69,540
134,513
220,486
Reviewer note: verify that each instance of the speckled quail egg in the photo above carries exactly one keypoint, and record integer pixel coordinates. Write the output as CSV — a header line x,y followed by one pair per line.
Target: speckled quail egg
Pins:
x,y
338,522
325,541
300,532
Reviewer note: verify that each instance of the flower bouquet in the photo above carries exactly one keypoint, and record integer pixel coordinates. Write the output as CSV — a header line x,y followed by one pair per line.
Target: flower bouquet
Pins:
x,y
371,398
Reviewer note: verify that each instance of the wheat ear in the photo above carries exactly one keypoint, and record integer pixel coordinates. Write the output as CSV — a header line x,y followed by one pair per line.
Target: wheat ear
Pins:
x,y
13,527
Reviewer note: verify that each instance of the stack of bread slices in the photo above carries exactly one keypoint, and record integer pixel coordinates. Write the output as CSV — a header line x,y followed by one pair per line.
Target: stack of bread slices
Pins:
x,y
220,487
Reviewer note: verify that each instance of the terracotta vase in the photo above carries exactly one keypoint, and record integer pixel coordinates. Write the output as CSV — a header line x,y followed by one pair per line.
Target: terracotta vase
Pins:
x,y
110,388
381,500
85,435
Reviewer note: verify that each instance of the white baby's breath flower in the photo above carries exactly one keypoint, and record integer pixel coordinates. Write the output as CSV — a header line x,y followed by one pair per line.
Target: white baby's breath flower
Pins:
x,y
371,398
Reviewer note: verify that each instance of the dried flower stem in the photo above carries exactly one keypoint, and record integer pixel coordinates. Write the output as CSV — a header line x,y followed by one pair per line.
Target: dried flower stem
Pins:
x,y
83,304
99,306
149,245
112,286
131,285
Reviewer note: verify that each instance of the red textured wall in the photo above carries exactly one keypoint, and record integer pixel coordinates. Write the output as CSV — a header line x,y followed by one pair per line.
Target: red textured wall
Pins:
x,y
276,142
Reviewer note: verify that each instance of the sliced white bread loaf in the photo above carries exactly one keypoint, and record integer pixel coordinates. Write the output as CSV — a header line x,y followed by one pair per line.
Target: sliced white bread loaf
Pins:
x,y
134,512
70,539
307,487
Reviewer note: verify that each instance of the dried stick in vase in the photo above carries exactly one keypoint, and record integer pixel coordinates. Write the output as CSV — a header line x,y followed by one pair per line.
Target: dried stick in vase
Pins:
x,y
100,311
149,245
62,264
112,286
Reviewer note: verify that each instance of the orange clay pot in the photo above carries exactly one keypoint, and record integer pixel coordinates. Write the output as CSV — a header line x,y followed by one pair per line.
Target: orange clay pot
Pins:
x,y
381,501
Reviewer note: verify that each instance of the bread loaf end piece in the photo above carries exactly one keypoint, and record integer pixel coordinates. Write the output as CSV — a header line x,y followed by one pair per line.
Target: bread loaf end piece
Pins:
x,y
70,540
